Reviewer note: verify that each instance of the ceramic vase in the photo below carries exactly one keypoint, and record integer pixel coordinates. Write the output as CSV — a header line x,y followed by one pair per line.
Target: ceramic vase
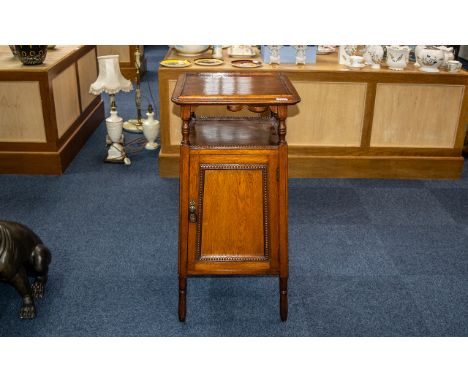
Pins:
x,y
31,54
417,54
375,54
397,57
151,130
430,58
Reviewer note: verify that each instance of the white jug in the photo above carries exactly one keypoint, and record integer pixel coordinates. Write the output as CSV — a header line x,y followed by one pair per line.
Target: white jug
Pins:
x,y
397,56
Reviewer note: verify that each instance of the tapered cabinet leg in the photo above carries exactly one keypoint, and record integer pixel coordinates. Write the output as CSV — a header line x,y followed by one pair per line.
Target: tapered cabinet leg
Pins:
x,y
284,298
182,298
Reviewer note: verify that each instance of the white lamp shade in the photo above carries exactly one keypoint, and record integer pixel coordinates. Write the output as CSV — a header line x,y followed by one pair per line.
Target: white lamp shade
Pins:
x,y
110,79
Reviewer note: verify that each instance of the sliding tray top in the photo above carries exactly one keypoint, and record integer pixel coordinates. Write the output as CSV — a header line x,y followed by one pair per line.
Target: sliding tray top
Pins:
x,y
247,88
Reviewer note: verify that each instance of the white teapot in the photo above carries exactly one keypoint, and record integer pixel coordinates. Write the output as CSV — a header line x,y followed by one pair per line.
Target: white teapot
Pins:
x,y
430,58
397,56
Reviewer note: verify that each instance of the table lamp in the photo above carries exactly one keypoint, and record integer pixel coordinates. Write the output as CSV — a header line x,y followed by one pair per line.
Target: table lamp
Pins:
x,y
111,81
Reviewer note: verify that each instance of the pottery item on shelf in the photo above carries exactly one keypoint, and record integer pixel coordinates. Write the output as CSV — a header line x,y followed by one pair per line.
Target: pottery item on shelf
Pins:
x,y
356,61
13,50
191,50
355,50
454,66
174,63
376,55
430,58
325,49
217,51
208,61
356,66
346,51
151,129
31,54
300,54
367,58
246,63
397,56
274,54
448,55
241,51
417,53
343,57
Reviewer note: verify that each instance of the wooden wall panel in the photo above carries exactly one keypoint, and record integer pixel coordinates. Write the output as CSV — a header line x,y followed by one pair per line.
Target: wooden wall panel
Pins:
x,y
87,73
122,50
67,107
329,114
407,115
21,118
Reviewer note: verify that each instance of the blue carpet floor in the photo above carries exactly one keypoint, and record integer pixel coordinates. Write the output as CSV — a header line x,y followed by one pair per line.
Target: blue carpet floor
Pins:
x,y
367,257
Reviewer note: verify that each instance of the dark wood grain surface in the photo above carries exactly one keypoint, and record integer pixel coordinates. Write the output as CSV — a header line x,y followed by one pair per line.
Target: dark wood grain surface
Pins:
x,y
234,132
251,88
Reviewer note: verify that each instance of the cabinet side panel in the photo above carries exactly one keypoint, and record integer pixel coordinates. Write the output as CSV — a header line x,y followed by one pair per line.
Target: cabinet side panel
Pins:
x,y
21,118
67,106
87,73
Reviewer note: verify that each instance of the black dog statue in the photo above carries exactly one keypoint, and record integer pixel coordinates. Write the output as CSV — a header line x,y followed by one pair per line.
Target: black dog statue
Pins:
x,y
22,254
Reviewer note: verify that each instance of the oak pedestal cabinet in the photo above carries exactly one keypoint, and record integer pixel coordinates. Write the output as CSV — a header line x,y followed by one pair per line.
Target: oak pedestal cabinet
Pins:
x,y
233,178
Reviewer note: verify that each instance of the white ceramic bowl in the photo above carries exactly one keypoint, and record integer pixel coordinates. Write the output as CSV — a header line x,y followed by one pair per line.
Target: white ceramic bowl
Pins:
x,y
191,49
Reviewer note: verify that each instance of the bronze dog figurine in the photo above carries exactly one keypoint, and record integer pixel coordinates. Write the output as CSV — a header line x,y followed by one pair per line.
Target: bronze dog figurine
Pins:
x,y
23,254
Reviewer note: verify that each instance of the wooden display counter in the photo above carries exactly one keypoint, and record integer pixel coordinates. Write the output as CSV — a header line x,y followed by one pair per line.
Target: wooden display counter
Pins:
x,y
46,111
352,123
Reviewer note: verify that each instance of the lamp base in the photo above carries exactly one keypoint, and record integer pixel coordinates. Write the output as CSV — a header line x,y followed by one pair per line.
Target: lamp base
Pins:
x,y
151,146
116,152
132,126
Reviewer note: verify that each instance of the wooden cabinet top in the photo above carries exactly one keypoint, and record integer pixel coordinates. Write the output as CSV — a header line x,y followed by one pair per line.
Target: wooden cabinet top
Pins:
x,y
249,88
54,56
